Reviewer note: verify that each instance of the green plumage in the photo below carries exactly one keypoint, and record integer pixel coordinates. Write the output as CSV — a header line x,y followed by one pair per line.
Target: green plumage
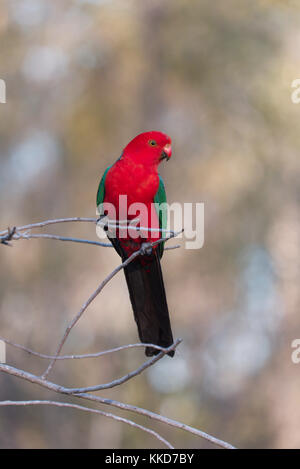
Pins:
x,y
101,191
160,200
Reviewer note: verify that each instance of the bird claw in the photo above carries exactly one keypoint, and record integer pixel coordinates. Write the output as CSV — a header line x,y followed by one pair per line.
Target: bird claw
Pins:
x,y
100,221
146,249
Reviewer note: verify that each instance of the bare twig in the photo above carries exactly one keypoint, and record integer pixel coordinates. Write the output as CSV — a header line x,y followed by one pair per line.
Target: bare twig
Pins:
x,y
127,377
159,418
98,221
73,240
95,294
82,356
83,309
117,225
8,236
50,222
120,405
61,238
23,232
170,248
88,409
132,374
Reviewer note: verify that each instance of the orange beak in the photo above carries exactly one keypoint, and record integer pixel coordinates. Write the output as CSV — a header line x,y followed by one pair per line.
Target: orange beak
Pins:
x,y
167,152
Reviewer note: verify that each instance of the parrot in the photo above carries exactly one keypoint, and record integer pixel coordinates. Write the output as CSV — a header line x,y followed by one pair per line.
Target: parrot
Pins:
x,y
135,175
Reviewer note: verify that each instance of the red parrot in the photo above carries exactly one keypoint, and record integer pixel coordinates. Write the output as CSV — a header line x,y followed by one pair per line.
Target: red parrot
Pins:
x,y
135,175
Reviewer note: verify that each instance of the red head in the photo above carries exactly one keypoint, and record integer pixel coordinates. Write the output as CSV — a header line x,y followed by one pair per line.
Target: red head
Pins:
x,y
149,148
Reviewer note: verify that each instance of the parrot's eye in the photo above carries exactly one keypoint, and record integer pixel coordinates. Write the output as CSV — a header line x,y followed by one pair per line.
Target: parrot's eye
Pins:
x,y
152,143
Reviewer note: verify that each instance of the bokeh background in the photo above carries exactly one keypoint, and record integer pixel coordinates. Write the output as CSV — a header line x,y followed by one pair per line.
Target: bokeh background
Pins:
x,y
85,76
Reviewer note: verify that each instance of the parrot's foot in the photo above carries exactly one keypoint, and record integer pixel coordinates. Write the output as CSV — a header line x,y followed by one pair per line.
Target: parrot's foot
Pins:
x,y
103,215
146,249
100,219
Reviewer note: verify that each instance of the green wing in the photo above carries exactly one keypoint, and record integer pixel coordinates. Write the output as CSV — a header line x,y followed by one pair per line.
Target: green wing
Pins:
x,y
100,200
160,200
101,191
101,188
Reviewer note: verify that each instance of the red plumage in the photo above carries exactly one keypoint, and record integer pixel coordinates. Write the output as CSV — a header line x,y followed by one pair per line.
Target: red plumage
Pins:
x,y
135,175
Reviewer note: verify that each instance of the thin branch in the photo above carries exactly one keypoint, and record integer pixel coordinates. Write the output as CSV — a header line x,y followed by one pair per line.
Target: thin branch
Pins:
x,y
125,378
83,309
51,222
84,393
132,374
170,248
120,405
28,236
88,409
16,233
42,224
95,294
61,238
8,236
83,356
117,225
158,417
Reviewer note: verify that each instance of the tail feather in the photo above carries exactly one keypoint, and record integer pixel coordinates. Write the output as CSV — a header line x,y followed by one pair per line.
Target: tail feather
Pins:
x,y
149,303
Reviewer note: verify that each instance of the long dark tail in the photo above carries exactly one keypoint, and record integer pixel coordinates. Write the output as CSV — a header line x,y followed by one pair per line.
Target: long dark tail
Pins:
x,y
149,303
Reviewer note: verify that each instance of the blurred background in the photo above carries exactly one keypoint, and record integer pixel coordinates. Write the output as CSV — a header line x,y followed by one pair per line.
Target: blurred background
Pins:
x,y
83,78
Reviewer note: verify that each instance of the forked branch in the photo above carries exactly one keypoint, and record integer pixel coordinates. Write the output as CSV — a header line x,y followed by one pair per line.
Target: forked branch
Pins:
x,y
24,232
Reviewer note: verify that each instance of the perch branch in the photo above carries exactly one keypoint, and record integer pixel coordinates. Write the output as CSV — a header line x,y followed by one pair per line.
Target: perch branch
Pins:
x,y
50,222
21,232
85,393
88,409
120,405
82,356
132,374
8,236
95,294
